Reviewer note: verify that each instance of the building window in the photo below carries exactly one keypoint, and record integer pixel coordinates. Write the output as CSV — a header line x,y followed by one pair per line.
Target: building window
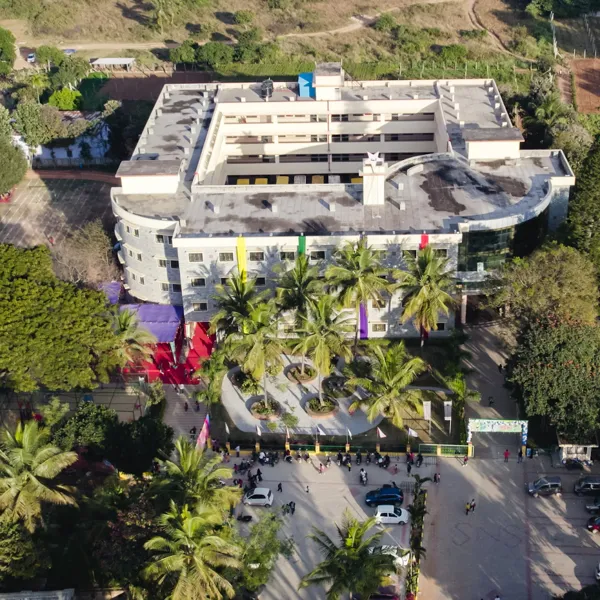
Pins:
x,y
441,326
224,280
196,257
142,281
318,138
174,264
317,255
133,277
318,118
225,256
256,256
127,229
287,256
164,239
136,232
198,282
340,138
412,253
441,252
318,158
200,306
379,327
164,287
130,252
162,263
177,287
379,303
261,281
139,256
339,118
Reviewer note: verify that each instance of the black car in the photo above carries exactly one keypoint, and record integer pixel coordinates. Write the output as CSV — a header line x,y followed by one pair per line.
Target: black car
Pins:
x,y
593,505
388,494
588,486
545,486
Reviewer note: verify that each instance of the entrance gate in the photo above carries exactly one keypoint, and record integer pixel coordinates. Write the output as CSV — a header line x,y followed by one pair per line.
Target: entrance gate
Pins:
x,y
496,426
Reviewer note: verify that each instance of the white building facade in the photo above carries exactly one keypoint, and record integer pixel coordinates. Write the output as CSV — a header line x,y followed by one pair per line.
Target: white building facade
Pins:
x,y
231,177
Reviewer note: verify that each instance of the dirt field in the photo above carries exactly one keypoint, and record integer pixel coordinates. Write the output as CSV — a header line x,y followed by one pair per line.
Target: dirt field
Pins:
x,y
587,78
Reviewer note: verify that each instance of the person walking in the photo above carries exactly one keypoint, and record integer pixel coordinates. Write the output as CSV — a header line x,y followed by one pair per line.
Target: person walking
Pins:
x,y
473,505
439,477
435,478
500,367
321,468
292,507
465,460
259,474
186,406
408,468
279,488
491,400
349,464
506,455
467,508
307,490
520,456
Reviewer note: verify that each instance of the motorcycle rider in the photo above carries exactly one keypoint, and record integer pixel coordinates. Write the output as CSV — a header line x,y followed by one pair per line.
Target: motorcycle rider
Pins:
x,y
358,457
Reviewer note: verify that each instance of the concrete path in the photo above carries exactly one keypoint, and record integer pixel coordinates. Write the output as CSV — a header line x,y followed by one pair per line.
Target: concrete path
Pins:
x,y
175,414
292,398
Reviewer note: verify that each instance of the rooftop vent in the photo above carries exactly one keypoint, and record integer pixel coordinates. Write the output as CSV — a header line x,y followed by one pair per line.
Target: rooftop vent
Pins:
x,y
266,89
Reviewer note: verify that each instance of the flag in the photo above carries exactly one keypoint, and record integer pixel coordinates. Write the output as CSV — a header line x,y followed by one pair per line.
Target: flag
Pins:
x,y
226,429
320,431
258,433
380,433
287,433
412,432
348,433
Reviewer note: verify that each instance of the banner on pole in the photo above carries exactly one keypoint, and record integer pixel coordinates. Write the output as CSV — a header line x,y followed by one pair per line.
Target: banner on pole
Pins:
x,y
412,433
448,410
427,410
380,433
258,433
348,433
226,429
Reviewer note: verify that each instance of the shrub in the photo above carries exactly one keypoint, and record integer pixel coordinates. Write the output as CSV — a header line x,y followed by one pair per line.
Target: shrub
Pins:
x,y
385,22
214,54
326,406
289,420
453,53
65,99
7,51
186,53
473,34
295,373
243,17
12,166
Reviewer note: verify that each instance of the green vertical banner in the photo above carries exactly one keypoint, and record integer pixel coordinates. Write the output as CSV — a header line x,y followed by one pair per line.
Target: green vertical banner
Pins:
x,y
302,245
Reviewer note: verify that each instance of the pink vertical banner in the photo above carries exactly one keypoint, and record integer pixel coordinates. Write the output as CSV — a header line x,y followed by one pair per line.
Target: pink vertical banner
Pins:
x,y
204,434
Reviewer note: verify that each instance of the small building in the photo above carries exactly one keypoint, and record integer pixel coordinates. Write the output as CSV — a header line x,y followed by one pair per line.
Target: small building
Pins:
x,y
113,64
576,451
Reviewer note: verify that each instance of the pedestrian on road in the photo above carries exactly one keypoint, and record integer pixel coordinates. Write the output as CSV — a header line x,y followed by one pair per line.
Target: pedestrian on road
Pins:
x,y
465,460
439,477
520,455
395,469
349,464
321,468
193,430
467,508
279,488
497,597
473,505
237,451
500,368
506,455
435,478
408,468
292,507
259,474
186,406
307,489
491,400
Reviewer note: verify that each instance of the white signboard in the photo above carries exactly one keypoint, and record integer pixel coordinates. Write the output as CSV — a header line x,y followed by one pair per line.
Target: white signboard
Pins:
x,y
448,410
427,410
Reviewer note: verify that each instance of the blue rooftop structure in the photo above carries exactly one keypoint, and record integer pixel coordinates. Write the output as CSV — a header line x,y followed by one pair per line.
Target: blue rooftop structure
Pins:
x,y
305,85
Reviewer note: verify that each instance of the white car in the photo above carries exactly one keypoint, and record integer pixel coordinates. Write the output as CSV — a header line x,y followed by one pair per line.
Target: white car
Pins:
x,y
69,51
388,514
31,58
258,497
401,556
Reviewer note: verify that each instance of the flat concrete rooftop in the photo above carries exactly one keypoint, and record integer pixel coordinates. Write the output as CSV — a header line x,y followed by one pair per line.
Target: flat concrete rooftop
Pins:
x,y
445,192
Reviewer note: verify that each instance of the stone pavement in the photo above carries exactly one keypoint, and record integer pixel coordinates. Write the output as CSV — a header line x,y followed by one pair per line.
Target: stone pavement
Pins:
x,y
322,507
292,398
175,414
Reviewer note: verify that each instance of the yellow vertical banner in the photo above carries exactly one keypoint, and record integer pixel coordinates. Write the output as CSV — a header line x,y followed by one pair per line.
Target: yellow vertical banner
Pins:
x,y
241,257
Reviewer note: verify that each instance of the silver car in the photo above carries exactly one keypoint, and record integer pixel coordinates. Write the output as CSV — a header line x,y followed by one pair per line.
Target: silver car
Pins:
x,y
258,497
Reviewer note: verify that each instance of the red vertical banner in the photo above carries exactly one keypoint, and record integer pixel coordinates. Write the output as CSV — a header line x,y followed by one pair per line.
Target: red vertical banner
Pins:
x,y
424,241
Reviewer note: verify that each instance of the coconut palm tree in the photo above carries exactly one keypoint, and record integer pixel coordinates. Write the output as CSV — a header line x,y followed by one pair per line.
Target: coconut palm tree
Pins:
x,y
426,285
235,300
357,277
392,369
323,335
352,565
186,558
194,477
298,287
39,81
552,111
211,373
29,467
258,348
133,340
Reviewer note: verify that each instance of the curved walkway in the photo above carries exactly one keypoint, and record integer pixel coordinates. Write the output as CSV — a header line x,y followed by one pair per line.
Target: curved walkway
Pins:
x,y
292,397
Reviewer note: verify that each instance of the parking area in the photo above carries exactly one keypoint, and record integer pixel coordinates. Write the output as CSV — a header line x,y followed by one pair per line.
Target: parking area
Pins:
x,y
42,210
514,545
322,506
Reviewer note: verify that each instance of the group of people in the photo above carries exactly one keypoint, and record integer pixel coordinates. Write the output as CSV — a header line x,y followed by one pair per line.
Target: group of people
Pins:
x,y
289,508
470,507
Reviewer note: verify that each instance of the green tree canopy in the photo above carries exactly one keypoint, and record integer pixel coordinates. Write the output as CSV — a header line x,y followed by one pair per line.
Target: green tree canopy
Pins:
x,y
50,56
186,53
21,557
555,281
556,371
70,72
584,207
8,51
29,470
39,124
215,54
13,165
66,99
5,126
52,334
90,426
